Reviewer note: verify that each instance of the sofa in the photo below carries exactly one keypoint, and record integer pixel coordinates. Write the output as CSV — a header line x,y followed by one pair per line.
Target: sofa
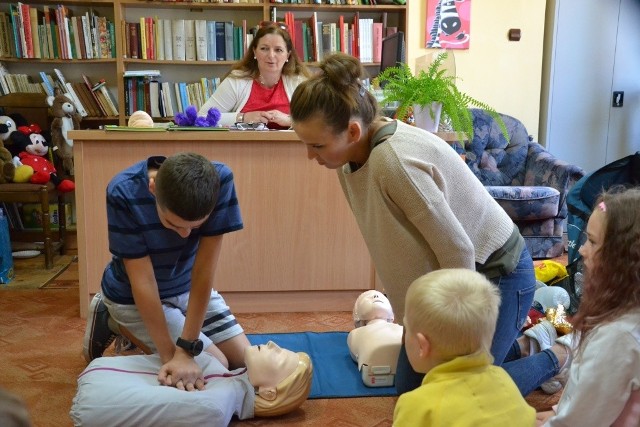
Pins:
x,y
526,180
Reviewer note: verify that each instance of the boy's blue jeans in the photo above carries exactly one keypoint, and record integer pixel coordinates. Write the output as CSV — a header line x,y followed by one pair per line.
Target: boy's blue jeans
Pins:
x,y
516,291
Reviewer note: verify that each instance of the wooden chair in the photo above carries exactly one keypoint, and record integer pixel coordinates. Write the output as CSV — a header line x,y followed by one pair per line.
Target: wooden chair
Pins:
x,y
34,108
43,195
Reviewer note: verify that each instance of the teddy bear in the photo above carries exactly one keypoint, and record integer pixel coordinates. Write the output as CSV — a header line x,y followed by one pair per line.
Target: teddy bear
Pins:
x,y
34,151
66,118
7,168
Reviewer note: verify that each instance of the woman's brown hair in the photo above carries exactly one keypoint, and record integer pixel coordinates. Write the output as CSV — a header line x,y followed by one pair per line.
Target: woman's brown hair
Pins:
x,y
337,92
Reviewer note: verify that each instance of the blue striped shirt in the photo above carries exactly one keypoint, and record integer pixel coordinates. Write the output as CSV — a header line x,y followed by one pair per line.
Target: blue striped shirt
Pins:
x,y
135,231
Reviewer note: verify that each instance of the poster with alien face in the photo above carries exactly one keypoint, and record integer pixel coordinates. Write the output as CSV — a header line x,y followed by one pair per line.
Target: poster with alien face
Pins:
x,y
448,24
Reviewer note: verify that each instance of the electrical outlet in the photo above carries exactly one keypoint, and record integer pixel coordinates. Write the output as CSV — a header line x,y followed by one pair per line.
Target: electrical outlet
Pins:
x,y
618,98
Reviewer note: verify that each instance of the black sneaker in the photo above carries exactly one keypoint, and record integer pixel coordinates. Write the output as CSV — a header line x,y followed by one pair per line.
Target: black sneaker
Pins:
x,y
98,336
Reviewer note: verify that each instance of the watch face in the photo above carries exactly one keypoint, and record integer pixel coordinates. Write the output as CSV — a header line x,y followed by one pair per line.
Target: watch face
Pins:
x,y
193,347
196,348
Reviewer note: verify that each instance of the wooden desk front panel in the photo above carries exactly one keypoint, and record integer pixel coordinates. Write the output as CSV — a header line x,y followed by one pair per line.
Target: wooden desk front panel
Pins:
x,y
299,233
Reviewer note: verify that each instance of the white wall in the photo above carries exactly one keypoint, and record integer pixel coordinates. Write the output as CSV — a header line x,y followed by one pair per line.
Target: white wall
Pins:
x,y
504,74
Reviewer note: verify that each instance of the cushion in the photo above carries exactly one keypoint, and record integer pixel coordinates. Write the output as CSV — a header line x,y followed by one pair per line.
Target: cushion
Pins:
x,y
527,203
493,159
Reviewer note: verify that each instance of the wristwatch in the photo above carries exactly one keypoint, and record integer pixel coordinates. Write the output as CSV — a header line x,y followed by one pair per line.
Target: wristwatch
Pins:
x,y
240,118
194,347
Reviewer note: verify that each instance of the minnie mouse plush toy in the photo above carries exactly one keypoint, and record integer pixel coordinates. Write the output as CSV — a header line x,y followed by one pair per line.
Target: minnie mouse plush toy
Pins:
x,y
34,149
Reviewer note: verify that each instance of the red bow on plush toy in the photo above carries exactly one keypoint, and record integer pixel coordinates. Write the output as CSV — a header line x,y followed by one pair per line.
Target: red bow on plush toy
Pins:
x,y
34,149
32,128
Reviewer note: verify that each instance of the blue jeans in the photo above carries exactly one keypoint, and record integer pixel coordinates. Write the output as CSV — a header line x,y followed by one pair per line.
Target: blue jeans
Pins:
x,y
516,291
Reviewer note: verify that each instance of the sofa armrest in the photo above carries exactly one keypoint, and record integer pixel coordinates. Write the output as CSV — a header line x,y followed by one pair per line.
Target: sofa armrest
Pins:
x,y
544,169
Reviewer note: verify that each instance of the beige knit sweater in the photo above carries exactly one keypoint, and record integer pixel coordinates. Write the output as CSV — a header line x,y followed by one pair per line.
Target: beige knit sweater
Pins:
x,y
420,208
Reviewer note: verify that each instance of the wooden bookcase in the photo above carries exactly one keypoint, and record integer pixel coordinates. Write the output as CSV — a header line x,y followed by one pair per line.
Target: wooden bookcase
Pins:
x,y
121,11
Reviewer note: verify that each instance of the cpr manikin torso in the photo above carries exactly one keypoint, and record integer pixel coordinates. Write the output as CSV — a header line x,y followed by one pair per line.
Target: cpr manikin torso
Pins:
x,y
124,390
375,342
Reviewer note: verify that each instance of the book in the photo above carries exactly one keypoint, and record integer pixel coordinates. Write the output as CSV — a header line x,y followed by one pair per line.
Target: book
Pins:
x,y
167,39
134,40
86,99
169,99
86,31
211,40
220,42
111,102
158,34
228,40
177,29
15,25
34,19
89,85
189,40
142,73
149,38
142,35
154,98
377,41
201,39
25,30
49,88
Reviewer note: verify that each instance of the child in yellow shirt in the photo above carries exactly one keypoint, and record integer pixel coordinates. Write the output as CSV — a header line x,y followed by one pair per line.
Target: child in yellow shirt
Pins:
x,y
450,318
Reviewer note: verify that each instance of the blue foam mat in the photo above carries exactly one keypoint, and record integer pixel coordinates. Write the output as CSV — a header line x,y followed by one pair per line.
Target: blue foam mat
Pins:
x,y
335,374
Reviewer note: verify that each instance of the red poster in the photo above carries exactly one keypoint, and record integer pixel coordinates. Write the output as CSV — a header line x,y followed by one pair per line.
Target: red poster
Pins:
x,y
448,24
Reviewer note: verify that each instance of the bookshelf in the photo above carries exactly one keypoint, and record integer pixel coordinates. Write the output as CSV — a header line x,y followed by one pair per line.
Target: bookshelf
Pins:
x,y
118,13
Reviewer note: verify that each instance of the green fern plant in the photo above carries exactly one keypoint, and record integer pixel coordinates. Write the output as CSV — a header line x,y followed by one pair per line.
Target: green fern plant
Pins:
x,y
401,86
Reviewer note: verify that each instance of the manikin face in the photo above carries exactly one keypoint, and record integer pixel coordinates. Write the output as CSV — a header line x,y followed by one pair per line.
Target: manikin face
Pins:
x,y
271,53
595,238
268,364
371,305
325,147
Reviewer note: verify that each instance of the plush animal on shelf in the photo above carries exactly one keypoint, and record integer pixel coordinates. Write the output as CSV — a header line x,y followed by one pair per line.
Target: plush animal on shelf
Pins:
x,y
190,118
66,118
7,168
34,151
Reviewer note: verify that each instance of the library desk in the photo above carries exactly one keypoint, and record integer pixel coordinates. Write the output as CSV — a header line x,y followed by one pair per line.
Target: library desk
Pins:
x,y
300,249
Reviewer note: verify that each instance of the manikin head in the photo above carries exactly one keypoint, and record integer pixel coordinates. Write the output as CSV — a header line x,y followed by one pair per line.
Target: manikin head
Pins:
x,y
371,305
282,378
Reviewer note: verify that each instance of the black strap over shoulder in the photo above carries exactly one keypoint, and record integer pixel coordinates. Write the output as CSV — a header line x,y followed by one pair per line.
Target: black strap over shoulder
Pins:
x,y
383,133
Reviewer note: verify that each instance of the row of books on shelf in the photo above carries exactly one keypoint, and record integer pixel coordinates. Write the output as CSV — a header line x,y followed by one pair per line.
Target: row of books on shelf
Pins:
x,y
335,2
91,99
166,99
213,1
53,32
362,37
186,39
28,216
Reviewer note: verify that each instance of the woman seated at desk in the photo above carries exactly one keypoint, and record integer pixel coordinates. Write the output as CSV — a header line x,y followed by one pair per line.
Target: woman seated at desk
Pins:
x,y
258,88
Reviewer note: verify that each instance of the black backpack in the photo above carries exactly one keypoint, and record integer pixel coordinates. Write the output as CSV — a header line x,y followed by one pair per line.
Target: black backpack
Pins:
x,y
580,201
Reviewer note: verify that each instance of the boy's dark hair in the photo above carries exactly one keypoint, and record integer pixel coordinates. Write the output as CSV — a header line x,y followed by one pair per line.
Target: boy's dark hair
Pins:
x,y
187,184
